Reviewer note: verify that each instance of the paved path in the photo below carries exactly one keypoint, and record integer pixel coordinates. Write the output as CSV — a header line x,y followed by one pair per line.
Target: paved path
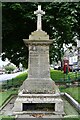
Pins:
x,y
7,110
4,77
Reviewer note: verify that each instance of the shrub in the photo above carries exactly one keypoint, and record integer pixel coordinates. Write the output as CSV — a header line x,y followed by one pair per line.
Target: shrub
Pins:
x,y
9,68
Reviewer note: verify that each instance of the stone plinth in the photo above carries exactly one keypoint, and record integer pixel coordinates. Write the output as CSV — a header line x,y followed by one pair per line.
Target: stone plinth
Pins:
x,y
38,87
39,80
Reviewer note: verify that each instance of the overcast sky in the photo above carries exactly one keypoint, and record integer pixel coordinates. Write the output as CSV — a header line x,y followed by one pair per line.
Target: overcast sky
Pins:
x,y
3,62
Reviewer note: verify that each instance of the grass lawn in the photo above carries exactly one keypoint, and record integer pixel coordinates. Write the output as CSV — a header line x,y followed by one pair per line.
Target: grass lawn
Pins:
x,y
6,95
13,83
71,119
6,117
73,91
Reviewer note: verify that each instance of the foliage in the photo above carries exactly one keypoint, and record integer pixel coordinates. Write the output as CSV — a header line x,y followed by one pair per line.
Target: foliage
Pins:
x,y
9,68
61,22
59,76
56,75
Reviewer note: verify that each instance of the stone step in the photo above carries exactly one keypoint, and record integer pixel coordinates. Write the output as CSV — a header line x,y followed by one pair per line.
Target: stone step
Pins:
x,y
39,117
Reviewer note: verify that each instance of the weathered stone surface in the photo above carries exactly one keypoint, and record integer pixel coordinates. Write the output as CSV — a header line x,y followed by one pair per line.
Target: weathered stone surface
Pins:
x,y
39,35
38,38
39,62
39,13
36,86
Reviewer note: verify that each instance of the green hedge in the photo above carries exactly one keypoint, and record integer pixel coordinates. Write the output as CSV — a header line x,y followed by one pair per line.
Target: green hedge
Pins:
x,y
59,76
56,75
15,82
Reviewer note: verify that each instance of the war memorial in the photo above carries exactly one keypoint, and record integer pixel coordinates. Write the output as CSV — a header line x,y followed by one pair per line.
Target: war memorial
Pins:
x,y
38,93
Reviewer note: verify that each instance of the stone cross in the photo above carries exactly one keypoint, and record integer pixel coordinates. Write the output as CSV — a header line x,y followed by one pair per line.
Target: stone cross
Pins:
x,y
39,13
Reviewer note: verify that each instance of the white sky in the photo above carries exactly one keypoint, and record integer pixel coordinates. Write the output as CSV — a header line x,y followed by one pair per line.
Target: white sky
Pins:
x,y
66,46
3,62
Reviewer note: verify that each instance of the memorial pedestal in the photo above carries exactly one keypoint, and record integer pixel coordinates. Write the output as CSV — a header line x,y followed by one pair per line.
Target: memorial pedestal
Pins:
x,y
40,103
38,92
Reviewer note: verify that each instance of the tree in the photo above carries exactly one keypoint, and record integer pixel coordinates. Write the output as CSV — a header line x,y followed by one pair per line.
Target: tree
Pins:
x,y
61,22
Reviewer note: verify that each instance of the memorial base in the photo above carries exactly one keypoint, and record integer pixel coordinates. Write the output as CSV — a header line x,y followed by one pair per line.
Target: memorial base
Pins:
x,y
38,104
